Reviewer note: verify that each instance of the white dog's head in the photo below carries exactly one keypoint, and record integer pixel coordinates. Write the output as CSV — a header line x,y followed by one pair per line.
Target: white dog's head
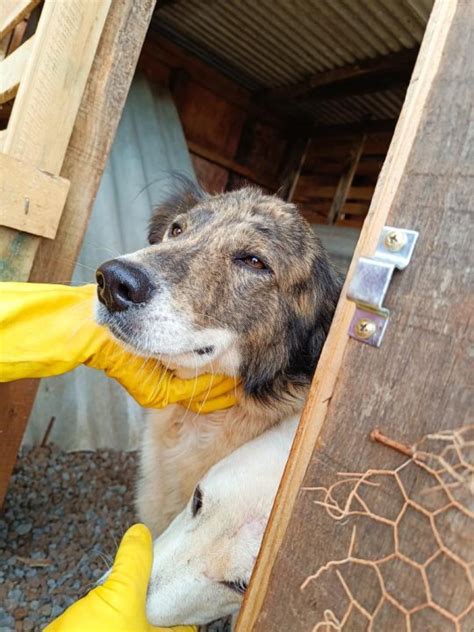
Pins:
x,y
203,561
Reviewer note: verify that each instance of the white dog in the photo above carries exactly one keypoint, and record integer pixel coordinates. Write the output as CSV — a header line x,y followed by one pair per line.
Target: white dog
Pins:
x,y
203,561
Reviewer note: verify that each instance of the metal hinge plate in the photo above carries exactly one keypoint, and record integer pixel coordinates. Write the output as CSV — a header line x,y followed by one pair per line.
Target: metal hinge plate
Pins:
x,y
371,280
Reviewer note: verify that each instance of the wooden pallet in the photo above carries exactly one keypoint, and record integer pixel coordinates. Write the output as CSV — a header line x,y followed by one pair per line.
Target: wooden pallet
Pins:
x,y
70,80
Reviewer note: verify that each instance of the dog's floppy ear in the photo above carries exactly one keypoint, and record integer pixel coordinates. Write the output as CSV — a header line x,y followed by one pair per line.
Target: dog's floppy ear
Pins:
x,y
184,195
305,335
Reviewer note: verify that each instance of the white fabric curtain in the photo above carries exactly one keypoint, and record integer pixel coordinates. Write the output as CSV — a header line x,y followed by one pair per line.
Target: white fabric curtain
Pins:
x,y
90,410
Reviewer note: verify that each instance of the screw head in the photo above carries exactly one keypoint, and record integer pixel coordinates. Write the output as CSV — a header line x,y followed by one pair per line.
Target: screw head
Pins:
x,y
365,328
395,240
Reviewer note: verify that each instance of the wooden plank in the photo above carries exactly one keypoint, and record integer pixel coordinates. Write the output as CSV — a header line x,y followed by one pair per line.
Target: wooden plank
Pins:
x,y
294,164
231,165
30,200
17,36
160,49
345,181
376,68
13,12
4,44
322,208
211,177
421,186
336,131
89,146
208,120
15,405
308,189
12,69
46,105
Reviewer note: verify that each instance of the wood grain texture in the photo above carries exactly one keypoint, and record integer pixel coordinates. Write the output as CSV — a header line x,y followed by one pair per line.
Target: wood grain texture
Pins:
x,y
212,177
89,146
372,68
16,399
30,200
94,132
417,382
12,69
13,12
46,105
345,181
230,164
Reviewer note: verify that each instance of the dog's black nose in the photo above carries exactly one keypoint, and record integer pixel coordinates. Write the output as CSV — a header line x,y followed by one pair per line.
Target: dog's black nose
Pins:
x,y
121,284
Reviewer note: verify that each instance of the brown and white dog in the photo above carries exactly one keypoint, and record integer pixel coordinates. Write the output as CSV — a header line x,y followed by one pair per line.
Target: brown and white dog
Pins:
x,y
237,284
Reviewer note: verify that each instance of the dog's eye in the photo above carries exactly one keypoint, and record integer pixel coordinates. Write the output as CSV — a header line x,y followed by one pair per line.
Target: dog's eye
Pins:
x,y
197,501
176,230
252,262
239,585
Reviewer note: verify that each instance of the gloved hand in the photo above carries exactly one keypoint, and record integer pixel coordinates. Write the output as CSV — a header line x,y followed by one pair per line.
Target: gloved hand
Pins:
x,y
119,604
47,329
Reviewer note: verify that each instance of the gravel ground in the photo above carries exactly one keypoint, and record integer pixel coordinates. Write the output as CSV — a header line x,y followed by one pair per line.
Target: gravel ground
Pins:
x,y
63,516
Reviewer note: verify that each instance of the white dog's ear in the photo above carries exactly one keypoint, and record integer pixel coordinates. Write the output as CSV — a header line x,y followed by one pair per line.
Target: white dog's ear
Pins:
x,y
184,196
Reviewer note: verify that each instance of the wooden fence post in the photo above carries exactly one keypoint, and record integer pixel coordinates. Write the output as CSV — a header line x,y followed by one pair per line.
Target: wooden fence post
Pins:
x,y
316,549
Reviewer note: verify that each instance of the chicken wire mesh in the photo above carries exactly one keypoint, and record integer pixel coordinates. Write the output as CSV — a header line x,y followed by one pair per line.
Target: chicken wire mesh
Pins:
x,y
416,572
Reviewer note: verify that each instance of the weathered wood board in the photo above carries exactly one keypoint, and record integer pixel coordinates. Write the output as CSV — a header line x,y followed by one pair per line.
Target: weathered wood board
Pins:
x,y
12,69
46,105
13,12
418,382
31,200
94,130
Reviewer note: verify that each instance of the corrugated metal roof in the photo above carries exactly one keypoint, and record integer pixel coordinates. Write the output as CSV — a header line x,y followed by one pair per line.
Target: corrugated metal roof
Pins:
x,y
375,106
273,43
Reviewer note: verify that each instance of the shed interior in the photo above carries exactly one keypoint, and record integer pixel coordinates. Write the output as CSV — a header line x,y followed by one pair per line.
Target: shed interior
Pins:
x,y
298,98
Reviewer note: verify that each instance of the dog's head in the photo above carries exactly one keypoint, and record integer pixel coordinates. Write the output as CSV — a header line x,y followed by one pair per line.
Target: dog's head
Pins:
x,y
236,283
202,563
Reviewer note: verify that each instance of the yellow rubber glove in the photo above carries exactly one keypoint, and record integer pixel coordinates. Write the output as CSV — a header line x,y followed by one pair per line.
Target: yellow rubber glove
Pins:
x,y
46,330
119,604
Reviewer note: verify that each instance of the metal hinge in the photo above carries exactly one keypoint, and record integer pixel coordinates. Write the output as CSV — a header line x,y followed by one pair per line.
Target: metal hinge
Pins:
x,y
371,280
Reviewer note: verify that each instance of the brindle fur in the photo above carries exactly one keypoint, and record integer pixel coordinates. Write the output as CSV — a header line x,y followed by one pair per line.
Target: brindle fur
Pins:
x,y
280,319
285,317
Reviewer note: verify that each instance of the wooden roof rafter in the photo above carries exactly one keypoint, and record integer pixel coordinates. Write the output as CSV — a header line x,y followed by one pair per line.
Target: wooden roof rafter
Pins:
x,y
368,76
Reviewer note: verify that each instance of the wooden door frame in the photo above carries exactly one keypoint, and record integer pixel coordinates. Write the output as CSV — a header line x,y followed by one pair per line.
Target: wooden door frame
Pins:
x,y
319,412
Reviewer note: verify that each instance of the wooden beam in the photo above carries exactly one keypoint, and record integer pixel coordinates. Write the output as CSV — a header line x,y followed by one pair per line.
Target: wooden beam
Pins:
x,y
308,189
366,127
321,209
295,159
12,69
360,86
394,64
13,12
46,105
160,49
232,165
345,181
30,200
94,130
416,382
